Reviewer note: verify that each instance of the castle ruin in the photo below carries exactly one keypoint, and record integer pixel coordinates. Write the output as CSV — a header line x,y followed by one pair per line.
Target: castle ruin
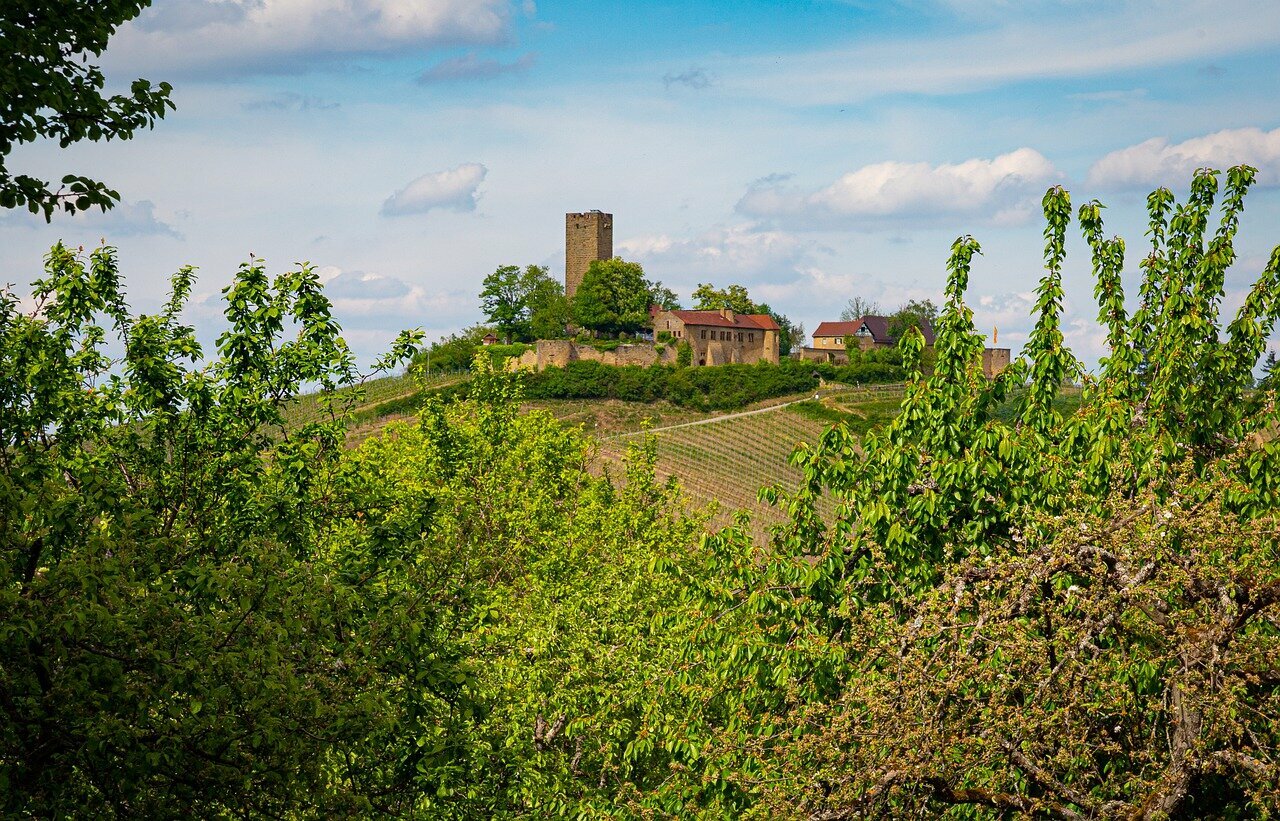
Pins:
x,y
587,236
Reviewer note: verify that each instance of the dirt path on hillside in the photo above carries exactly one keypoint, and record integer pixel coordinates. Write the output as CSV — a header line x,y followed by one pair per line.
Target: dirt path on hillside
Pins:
x,y
820,394
712,420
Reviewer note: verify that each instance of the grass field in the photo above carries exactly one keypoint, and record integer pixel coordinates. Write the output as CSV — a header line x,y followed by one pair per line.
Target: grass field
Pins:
x,y
367,419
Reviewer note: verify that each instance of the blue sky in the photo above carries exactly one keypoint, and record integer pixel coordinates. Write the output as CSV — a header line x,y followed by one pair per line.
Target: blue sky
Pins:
x,y
812,151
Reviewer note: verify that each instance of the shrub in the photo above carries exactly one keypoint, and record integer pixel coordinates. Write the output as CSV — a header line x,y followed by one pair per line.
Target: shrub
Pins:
x,y
499,353
722,387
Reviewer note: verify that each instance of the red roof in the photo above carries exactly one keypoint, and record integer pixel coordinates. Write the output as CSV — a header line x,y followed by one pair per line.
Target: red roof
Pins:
x,y
716,320
877,326
840,329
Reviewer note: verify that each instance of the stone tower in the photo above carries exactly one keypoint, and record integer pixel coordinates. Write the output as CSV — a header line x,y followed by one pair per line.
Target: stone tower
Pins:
x,y
587,236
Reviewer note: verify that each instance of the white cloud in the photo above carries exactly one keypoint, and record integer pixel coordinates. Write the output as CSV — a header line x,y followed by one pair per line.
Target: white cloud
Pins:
x,y
454,189
722,255
372,301
1008,316
1008,43
1004,187
1157,162
239,36
126,219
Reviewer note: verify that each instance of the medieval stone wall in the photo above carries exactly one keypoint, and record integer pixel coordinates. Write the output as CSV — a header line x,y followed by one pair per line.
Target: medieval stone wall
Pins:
x,y
560,352
834,356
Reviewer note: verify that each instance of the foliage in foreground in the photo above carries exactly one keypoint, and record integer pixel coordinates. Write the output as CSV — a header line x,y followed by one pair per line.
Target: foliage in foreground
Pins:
x,y
49,90
168,642
1074,617
533,576
1014,613
206,610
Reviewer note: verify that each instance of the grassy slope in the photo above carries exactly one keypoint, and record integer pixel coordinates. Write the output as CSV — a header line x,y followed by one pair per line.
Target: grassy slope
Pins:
x,y
382,401
725,461
728,461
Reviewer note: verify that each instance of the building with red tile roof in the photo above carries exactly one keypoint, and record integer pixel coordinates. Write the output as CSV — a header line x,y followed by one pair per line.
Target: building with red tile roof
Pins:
x,y
869,331
722,337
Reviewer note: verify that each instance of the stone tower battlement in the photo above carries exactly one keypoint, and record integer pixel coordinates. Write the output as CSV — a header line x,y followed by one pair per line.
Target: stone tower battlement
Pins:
x,y
587,236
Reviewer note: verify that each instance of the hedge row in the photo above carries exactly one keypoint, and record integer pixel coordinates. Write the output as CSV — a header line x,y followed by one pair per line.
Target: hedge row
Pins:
x,y
865,373
721,387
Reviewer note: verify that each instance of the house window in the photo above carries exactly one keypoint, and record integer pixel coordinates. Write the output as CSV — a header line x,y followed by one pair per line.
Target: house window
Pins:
x,y
751,337
704,333
739,336
668,323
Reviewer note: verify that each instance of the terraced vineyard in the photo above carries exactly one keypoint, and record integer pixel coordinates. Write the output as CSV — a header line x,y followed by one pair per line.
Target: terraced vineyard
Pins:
x,y
727,461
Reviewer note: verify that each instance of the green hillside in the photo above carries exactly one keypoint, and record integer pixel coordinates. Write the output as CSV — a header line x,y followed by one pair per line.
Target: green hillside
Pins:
x,y
721,458
729,458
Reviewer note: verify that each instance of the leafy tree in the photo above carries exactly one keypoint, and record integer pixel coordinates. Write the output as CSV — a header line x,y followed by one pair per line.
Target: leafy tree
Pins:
x,y
208,610
173,640
503,300
915,313
530,575
858,308
663,297
524,305
1016,612
550,312
707,297
48,89
613,297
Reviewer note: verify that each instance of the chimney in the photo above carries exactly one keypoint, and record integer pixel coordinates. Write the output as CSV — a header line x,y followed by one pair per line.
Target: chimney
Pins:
x,y
727,313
